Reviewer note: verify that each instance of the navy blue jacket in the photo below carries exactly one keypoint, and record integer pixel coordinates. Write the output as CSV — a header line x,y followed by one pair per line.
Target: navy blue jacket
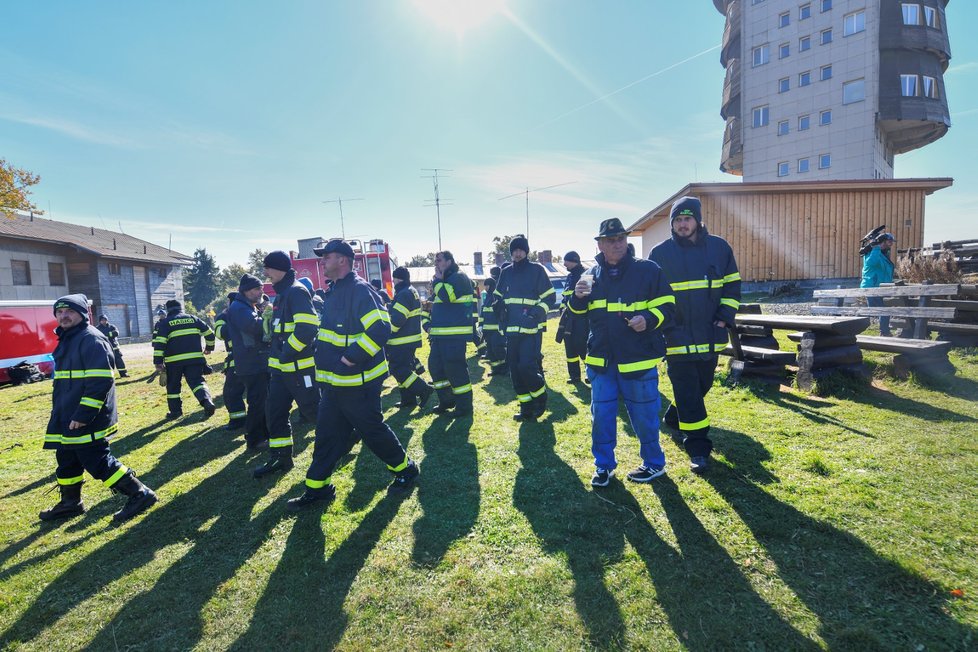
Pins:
x,y
527,295
84,389
639,288
704,278
244,327
453,308
177,340
294,327
356,326
405,313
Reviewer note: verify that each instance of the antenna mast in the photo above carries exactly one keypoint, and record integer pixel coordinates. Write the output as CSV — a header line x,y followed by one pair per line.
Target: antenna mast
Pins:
x,y
527,192
340,200
436,202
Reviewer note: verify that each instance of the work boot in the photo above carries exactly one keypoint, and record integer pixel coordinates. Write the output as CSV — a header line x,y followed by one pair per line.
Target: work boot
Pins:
x,y
275,464
260,445
323,497
424,394
173,415
123,373
463,405
209,408
404,479
235,424
141,497
526,413
407,401
699,464
69,505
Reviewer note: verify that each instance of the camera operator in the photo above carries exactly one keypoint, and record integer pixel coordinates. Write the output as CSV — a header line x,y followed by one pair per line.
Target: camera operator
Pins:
x,y
877,269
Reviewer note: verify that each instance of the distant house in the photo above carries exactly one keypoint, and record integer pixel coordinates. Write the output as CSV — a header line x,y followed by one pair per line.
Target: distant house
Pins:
x,y
124,277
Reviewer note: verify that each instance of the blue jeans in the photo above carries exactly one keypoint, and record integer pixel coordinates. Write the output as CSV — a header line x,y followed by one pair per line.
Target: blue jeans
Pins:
x,y
642,402
877,302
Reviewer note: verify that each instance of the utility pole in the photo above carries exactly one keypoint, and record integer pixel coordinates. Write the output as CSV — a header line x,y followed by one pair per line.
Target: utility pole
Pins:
x,y
340,200
436,202
527,192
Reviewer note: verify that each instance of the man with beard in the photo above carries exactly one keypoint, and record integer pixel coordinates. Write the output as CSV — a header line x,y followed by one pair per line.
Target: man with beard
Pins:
x,y
703,275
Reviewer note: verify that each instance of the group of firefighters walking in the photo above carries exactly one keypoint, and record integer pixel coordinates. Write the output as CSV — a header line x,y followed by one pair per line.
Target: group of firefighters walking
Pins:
x,y
330,358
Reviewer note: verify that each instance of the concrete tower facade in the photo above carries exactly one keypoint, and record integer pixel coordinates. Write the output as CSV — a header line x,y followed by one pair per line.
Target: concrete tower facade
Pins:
x,y
830,89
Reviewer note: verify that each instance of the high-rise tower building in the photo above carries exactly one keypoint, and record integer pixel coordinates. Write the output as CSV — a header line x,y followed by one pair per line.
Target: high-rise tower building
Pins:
x,y
830,89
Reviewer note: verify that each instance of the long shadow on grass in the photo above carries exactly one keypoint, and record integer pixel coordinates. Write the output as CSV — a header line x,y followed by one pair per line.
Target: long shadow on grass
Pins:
x,y
810,409
370,475
302,605
706,599
862,600
213,520
449,493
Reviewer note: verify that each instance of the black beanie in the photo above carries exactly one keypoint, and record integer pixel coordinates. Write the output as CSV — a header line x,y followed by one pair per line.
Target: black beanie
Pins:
x,y
248,282
173,304
495,272
402,273
278,260
519,242
77,302
572,256
687,206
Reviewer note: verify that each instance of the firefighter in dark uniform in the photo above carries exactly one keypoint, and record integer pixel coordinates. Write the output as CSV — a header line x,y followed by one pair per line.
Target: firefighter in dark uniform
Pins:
x,y
572,329
112,334
244,328
234,389
703,274
495,340
405,340
525,295
351,368
293,326
83,416
628,305
451,329
177,350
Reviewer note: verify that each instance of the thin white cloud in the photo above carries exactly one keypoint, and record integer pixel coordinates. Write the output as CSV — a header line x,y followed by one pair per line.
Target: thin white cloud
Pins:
x,y
71,129
967,66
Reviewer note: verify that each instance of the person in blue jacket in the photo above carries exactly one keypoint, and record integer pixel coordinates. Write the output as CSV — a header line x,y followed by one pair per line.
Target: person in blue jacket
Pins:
x,y
244,327
83,416
627,305
877,269
703,275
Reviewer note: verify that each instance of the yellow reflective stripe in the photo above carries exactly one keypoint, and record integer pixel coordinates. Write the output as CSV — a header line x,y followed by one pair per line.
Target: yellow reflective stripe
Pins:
x,y
521,301
441,384
519,330
401,308
84,439
451,330
295,342
50,438
65,374
159,340
538,392
733,303
326,335
594,361
524,398
575,311
279,442
641,365
186,331
70,481
489,327
658,315
316,484
598,304
406,339
237,415
695,348
91,402
408,381
304,363
304,318
730,278
576,358
462,390
342,380
400,467
184,356
659,301
548,293
115,477
173,395
702,284
368,344
448,289
696,425
373,316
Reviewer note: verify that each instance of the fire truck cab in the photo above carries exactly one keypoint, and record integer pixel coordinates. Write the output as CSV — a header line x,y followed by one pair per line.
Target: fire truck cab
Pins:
x,y
372,260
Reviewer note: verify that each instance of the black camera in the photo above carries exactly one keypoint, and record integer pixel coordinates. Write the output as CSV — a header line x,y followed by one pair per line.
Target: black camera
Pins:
x,y
871,239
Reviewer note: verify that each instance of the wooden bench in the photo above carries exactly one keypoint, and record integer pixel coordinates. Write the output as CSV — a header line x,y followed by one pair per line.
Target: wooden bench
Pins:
x,y
920,313
826,345
922,356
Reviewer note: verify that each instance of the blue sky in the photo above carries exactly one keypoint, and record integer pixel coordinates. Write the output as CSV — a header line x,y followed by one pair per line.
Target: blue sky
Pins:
x,y
226,124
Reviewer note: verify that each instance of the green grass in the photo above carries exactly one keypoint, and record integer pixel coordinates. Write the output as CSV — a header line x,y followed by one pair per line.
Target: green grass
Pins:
x,y
841,521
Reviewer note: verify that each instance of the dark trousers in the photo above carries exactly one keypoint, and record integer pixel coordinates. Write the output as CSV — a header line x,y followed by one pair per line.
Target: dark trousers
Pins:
x,y
234,391
256,390
283,388
120,364
575,346
523,356
97,460
402,363
496,351
691,380
450,371
345,416
194,374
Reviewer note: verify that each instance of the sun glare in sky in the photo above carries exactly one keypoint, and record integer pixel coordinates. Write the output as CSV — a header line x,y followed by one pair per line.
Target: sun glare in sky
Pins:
x,y
459,16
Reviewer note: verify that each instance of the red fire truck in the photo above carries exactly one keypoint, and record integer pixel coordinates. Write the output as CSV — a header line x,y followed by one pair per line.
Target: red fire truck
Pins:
x,y
372,260
28,335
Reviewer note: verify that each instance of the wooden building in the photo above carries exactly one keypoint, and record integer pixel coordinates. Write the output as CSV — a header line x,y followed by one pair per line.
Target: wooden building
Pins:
x,y
800,231
124,277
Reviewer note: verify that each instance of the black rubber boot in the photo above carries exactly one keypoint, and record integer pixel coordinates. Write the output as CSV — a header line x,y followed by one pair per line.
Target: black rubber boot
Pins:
x,y
407,401
141,497
404,480
424,393
463,405
275,464
209,408
320,497
69,505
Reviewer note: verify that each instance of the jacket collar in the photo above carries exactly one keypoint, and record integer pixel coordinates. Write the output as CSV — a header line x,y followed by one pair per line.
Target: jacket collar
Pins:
x,y
285,283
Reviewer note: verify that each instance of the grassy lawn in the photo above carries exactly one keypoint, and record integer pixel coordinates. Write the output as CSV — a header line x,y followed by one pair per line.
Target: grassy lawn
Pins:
x,y
846,521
